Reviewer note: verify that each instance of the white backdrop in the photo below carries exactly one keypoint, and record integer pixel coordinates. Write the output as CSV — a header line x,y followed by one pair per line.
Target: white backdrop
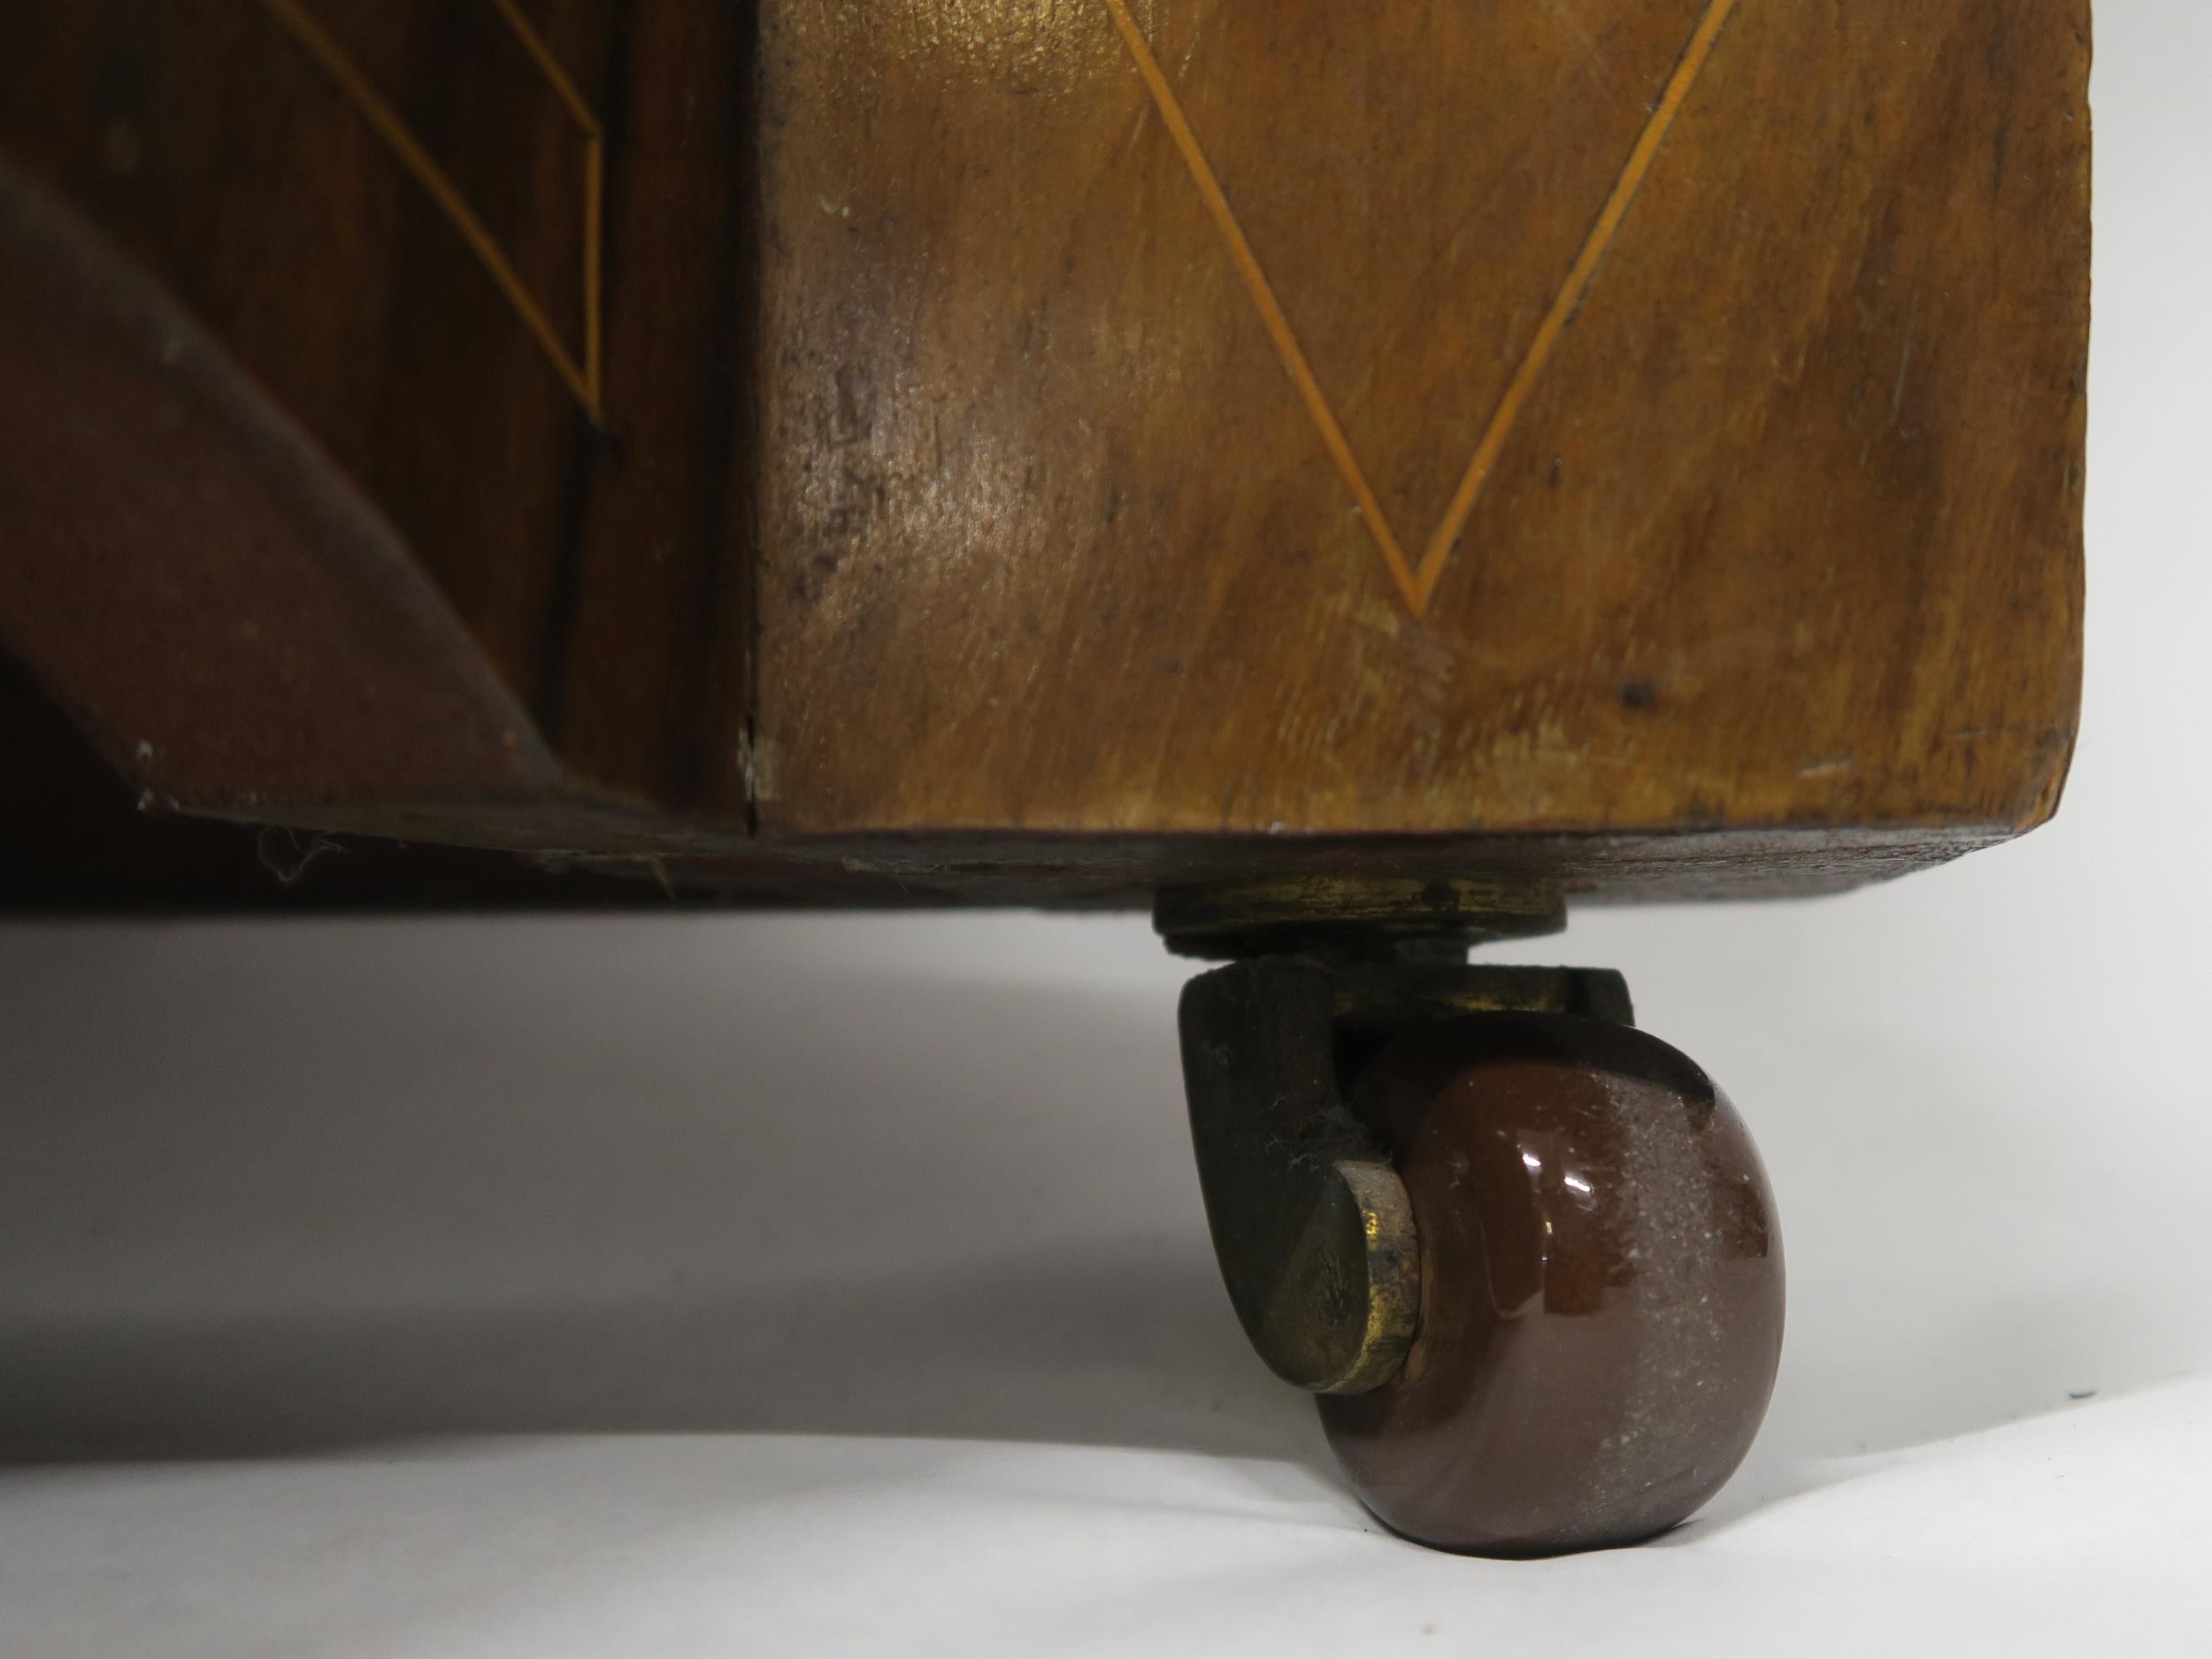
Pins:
x,y
840,1286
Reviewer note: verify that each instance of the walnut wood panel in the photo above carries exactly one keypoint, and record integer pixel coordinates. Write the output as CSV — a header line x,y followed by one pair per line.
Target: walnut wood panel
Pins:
x,y
494,258
202,619
1028,450
1120,360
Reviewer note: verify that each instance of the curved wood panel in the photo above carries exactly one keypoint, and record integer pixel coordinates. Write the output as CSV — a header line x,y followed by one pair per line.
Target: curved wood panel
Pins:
x,y
236,629
495,257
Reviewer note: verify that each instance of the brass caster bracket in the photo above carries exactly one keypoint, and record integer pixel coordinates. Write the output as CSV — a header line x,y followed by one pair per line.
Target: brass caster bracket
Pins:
x,y
1366,916
1312,1226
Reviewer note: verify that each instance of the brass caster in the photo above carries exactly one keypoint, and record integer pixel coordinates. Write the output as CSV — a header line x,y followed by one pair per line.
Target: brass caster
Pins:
x,y
1523,1252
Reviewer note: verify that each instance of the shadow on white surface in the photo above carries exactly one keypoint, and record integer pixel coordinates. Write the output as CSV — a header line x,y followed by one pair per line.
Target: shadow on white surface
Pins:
x,y
274,1189
269,1190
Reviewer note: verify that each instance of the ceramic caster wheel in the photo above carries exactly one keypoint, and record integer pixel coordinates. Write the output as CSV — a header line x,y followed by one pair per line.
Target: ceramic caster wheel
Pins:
x,y
1525,1253
1601,1288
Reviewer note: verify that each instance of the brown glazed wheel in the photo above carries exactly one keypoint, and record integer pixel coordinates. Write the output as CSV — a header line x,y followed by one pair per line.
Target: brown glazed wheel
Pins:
x,y
1600,1312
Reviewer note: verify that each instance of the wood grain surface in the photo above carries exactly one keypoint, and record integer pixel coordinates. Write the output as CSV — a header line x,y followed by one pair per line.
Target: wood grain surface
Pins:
x,y
1785,530
304,176
1034,448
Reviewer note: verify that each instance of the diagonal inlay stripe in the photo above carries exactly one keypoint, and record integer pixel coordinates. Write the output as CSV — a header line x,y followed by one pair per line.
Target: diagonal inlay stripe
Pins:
x,y
1418,586
581,378
1570,297
1270,310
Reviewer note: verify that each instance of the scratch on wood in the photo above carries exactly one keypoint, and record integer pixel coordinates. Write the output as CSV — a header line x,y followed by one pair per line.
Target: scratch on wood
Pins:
x,y
1904,361
1564,15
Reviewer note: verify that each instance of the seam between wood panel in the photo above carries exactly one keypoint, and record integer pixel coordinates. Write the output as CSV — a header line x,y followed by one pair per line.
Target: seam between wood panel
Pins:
x,y
753,381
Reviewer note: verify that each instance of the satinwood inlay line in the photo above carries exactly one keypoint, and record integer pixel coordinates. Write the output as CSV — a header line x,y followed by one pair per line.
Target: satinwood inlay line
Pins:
x,y
581,378
1417,584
